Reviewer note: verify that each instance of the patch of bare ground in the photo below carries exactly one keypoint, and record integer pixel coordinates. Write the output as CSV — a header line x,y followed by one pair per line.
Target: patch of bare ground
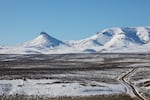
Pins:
x,y
146,84
148,96
98,97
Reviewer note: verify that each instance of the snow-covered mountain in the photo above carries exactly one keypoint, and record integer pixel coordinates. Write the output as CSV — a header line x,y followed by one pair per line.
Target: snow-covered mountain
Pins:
x,y
44,40
128,39
41,44
117,39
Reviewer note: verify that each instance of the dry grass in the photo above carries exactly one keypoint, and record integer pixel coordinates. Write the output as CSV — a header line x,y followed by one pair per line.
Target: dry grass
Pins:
x,y
98,97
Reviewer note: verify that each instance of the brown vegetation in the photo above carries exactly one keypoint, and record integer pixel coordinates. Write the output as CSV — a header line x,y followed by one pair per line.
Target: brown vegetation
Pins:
x,y
146,83
98,97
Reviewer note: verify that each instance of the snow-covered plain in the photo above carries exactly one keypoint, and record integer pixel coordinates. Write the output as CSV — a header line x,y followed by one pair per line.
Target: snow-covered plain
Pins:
x,y
72,74
123,40
53,89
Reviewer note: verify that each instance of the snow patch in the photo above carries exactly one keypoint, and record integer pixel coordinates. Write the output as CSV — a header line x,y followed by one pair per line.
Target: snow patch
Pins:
x,y
52,89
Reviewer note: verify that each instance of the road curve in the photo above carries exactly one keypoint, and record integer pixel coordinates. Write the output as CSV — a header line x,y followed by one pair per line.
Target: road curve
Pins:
x,y
124,79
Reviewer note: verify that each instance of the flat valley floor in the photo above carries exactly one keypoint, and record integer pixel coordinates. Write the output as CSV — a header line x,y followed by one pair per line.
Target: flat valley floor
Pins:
x,y
69,76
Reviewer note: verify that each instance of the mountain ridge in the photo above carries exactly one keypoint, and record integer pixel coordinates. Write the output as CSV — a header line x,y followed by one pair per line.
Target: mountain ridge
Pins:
x,y
126,39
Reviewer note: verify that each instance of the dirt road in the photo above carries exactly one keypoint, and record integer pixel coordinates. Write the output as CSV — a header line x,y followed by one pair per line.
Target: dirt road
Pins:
x,y
125,79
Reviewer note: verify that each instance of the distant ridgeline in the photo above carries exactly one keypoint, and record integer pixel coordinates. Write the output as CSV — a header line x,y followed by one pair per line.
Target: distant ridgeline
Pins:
x,y
122,40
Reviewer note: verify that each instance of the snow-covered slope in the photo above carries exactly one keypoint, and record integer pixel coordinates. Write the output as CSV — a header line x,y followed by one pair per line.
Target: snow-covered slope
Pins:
x,y
117,39
41,44
44,40
128,39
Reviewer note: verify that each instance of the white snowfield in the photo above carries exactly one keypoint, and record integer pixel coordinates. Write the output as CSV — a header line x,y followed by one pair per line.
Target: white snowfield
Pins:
x,y
52,89
122,40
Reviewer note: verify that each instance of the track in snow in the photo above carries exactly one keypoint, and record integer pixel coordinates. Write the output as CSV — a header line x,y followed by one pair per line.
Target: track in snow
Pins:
x,y
125,78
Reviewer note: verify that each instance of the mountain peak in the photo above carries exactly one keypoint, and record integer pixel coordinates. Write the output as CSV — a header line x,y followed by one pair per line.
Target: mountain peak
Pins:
x,y
43,33
44,40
